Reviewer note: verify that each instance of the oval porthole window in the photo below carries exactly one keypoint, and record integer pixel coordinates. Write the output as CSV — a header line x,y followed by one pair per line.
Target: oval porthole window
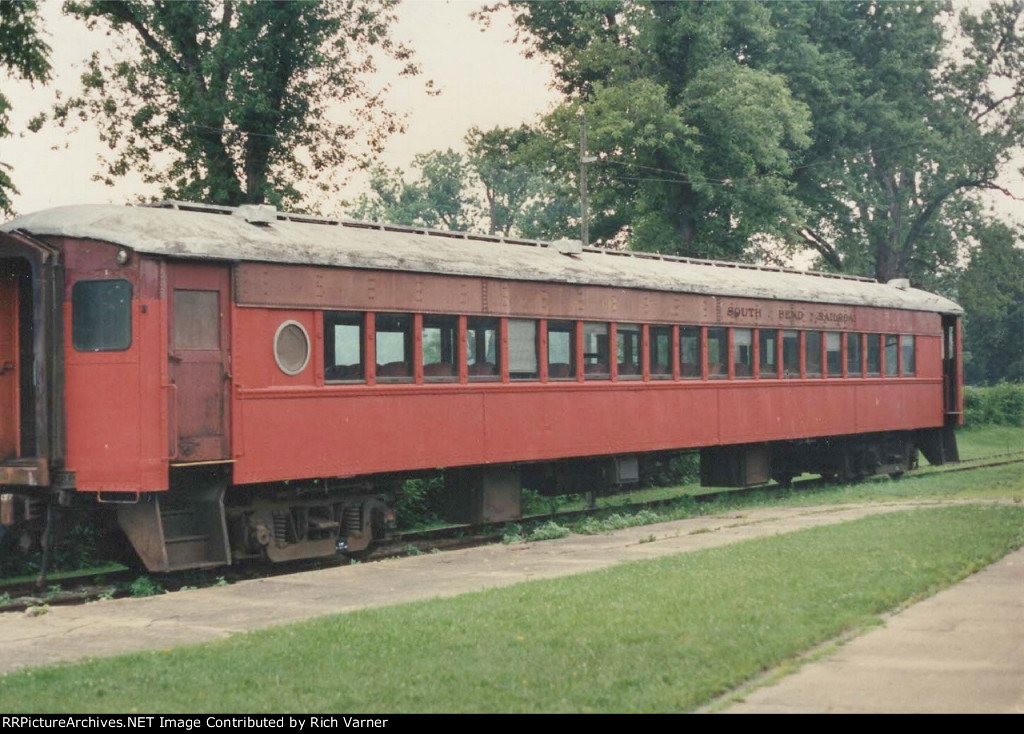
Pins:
x,y
291,347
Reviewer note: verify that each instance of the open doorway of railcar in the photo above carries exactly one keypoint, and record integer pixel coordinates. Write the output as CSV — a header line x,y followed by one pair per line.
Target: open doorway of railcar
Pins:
x,y
18,405
17,388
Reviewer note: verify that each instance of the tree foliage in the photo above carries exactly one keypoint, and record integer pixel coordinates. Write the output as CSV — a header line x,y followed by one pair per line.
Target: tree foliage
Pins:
x,y
991,290
438,199
498,186
23,55
509,165
233,102
863,130
908,125
696,145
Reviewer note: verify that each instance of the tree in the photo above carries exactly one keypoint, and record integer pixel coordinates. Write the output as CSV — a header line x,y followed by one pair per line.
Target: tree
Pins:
x,y
863,130
506,162
908,125
991,290
438,199
695,146
233,102
23,55
506,165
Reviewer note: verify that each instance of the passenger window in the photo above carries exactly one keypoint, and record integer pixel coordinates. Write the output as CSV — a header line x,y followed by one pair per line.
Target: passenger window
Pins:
x,y
689,352
561,350
394,347
909,363
343,347
791,353
768,350
834,354
874,355
742,352
595,351
482,349
101,315
661,352
853,355
627,347
440,334
812,353
718,352
892,351
522,349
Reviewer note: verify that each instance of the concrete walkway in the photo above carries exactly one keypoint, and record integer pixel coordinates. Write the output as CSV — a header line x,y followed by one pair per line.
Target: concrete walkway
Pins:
x,y
981,619
960,651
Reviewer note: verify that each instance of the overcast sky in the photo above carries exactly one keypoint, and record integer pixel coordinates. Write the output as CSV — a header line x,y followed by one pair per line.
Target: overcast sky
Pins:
x,y
484,81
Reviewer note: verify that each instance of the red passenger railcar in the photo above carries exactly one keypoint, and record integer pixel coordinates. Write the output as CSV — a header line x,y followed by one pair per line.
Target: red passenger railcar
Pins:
x,y
241,383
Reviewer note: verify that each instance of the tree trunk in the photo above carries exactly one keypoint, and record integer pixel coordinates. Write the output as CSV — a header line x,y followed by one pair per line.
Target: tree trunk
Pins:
x,y
887,264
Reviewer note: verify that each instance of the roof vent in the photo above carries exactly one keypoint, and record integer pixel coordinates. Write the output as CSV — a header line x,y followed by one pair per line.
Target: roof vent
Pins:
x,y
901,283
258,214
568,247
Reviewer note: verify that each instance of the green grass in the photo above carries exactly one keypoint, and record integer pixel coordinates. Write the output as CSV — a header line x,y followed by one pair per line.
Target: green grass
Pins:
x,y
974,443
987,440
662,635
57,576
988,483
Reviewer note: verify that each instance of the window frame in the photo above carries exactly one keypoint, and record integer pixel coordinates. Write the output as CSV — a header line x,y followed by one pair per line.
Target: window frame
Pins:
x,y
308,345
812,348
891,367
840,363
566,328
857,359
104,344
353,318
506,356
203,312
789,336
443,323
876,341
736,338
653,331
696,334
636,331
906,371
471,326
409,334
764,370
599,330
720,338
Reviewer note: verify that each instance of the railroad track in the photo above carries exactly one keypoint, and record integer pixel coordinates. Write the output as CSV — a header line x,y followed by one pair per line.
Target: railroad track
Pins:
x,y
85,586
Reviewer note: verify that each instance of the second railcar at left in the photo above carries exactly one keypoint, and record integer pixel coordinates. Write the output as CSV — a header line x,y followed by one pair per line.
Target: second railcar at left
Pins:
x,y
116,384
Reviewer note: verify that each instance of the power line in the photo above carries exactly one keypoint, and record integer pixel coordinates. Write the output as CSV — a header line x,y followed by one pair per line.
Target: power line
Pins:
x,y
687,178
669,180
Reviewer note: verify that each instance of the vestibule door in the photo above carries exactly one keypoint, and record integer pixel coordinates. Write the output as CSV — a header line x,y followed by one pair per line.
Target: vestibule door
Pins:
x,y
200,361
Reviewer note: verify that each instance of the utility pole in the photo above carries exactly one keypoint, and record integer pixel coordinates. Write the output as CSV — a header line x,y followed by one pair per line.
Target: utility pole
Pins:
x,y
584,160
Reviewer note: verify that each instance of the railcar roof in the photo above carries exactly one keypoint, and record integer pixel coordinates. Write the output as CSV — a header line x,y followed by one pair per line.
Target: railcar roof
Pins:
x,y
206,232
